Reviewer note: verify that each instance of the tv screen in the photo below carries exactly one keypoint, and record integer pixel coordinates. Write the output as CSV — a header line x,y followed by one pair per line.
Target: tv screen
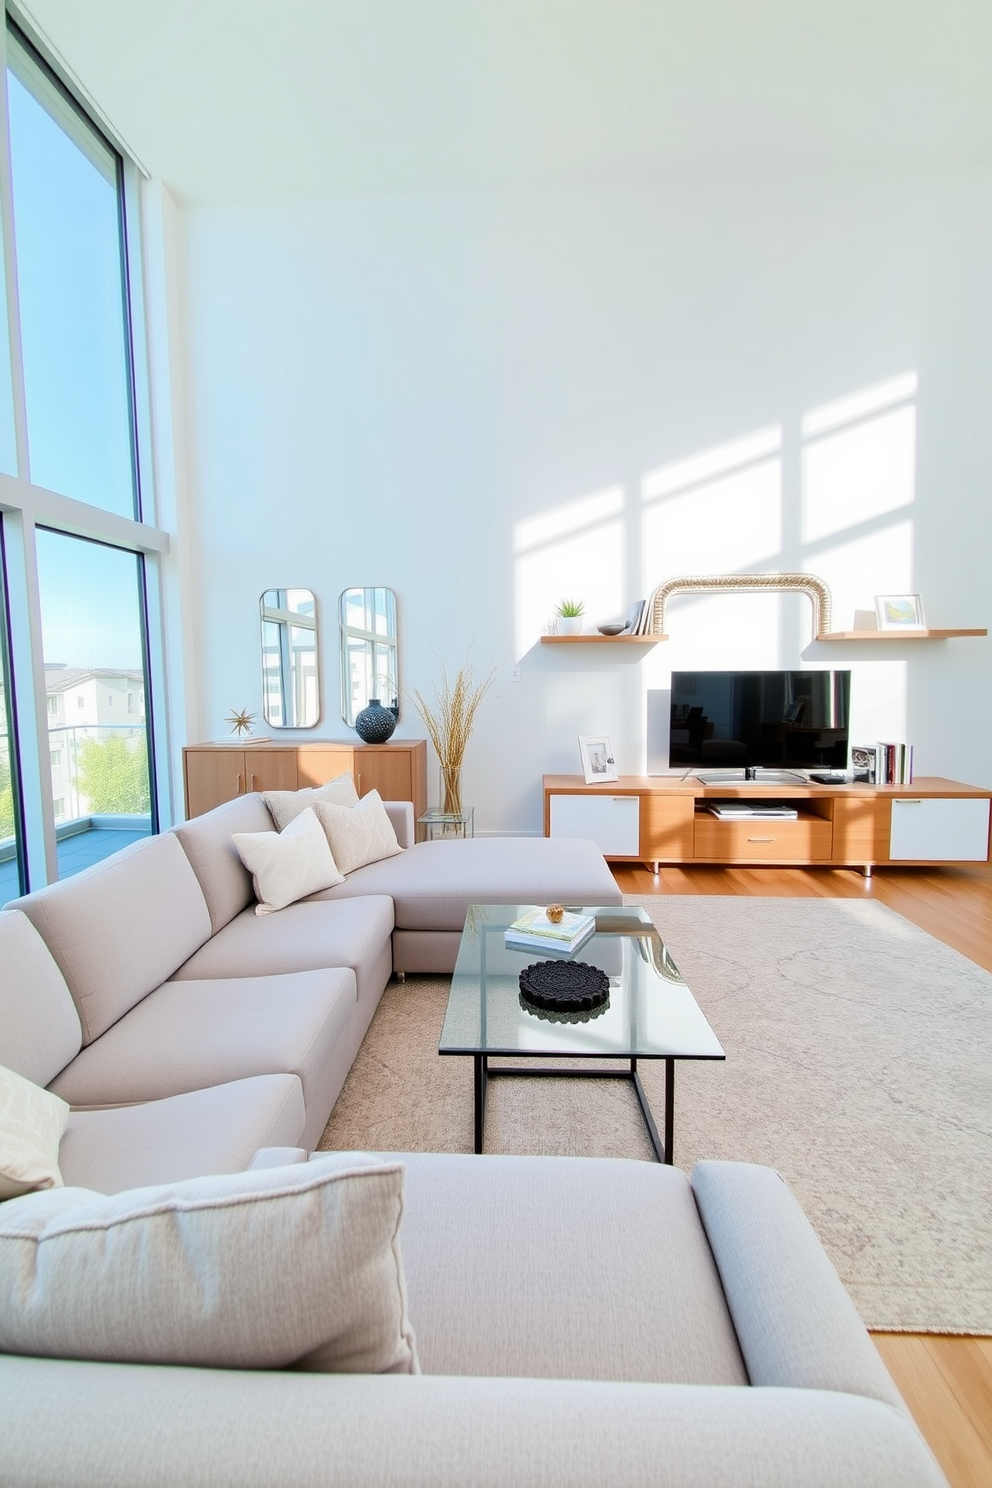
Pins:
x,y
760,720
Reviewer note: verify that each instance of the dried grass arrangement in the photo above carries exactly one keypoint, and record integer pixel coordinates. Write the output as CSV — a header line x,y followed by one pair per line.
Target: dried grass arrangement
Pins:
x,y
449,722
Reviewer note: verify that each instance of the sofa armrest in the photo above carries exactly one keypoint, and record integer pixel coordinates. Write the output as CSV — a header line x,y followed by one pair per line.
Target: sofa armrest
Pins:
x,y
400,814
795,1323
264,1430
277,1157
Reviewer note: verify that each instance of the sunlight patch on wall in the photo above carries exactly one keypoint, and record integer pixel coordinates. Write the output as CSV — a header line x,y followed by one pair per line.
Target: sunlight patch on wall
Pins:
x,y
722,459
873,563
860,459
574,551
723,525
859,405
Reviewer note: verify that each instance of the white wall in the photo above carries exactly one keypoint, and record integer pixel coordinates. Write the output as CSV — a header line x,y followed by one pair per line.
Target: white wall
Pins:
x,y
486,401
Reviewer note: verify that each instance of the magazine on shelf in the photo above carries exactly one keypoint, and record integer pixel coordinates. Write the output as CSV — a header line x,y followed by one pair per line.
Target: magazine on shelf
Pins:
x,y
751,810
535,931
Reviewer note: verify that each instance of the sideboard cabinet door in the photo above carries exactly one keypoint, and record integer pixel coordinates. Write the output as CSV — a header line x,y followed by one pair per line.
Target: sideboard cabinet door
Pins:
x,y
935,831
612,822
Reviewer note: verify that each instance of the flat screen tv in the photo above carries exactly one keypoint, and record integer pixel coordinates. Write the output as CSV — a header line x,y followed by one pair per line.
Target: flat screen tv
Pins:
x,y
749,721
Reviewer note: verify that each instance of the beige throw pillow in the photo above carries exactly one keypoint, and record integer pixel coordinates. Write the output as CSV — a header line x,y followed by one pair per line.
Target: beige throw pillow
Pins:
x,y
286,866
32,1121
285,806
283,1266
358,834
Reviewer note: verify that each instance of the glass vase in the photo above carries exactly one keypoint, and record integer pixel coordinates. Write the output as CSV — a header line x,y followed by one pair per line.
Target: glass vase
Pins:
x,y
451,790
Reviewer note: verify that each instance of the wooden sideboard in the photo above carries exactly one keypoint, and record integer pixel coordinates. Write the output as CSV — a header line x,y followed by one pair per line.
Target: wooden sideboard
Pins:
x,y
660,819
213,773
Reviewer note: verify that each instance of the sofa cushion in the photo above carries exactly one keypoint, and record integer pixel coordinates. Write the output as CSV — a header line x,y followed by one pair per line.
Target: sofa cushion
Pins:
x,y
206,840
606,1262
39,1026
217,1130
294,1024
32,1121
297,1265
432,883
120,927
302,937
286,866
285,806
358,834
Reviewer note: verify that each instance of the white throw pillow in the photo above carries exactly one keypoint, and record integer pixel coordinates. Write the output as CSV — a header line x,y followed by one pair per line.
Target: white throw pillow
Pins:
x,y
358,834
286,866
32,1121
285,806
283,1266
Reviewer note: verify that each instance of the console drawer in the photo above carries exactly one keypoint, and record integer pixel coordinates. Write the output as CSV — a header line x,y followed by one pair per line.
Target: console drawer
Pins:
x,y
805,840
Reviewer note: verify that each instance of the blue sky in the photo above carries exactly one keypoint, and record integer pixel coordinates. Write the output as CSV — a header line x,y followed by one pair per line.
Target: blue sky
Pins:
x,y
75,368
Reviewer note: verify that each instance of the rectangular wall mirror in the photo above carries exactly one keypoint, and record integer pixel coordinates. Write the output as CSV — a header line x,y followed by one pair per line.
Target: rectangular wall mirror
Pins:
x,y
369,651
290,675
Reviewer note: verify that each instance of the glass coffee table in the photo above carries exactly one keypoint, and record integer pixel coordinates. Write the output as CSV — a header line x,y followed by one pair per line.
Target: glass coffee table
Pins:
x,y
651,1014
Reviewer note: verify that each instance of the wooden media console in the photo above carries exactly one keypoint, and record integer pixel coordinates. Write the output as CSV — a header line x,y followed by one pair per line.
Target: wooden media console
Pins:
x,y
658,819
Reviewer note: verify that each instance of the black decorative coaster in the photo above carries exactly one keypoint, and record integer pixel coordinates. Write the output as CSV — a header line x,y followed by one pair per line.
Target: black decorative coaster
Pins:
x,y
564,987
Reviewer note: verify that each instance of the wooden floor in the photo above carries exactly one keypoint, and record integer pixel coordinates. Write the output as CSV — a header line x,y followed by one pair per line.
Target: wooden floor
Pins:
x,y
945,1381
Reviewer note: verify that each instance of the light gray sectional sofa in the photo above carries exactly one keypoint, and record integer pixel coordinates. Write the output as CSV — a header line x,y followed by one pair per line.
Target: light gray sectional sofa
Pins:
x,y
577,1322
187,1032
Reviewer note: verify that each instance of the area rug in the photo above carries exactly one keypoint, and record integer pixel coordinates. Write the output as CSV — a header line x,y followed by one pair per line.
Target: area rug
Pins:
x,y
859,1064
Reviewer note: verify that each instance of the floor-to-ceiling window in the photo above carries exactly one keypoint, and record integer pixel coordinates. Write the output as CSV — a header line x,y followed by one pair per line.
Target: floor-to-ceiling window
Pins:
x,y
77,752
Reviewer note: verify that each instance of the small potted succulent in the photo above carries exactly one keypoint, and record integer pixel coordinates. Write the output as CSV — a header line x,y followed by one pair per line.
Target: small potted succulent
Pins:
x,y
569,615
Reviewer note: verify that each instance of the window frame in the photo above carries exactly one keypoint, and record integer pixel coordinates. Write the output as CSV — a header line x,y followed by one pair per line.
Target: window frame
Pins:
x,y
25,507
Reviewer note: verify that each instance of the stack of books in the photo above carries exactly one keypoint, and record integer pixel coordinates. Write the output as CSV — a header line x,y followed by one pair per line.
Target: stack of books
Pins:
x,y
639,618
535,932
882,763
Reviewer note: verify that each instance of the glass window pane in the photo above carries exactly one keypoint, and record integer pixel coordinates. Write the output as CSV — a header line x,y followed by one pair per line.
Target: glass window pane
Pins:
x,y
92,623
11,869
71,293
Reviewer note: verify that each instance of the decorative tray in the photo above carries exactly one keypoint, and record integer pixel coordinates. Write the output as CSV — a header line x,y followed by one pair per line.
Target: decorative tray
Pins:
x,y
564,986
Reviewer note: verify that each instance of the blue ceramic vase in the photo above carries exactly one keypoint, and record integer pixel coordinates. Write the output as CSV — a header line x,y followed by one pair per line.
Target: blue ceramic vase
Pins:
x,y
375,723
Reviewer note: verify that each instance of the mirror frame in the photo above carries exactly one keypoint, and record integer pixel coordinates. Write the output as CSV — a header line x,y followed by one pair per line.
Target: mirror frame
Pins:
x,y
274,609
374,642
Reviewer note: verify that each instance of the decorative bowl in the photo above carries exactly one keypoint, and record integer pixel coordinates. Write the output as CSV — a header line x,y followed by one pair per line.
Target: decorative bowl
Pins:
x,y
613,628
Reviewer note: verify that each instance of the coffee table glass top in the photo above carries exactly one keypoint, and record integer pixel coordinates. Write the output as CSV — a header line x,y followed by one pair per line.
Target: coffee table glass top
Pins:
x,y
651,1012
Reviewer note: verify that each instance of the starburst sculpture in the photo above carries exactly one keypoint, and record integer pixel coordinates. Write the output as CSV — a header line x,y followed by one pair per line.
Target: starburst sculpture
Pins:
x,y
241,721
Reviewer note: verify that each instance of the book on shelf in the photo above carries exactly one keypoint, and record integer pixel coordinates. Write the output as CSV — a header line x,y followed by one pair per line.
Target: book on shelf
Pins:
x,y
751,811
534,931
883,763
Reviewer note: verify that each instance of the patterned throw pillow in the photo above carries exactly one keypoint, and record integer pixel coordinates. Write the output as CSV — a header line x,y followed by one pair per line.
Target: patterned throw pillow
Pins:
x,y
32,1121
358,834
286,866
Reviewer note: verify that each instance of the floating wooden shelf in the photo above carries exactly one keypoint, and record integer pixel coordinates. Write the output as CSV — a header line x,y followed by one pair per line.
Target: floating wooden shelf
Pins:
x,y
896,635
599,640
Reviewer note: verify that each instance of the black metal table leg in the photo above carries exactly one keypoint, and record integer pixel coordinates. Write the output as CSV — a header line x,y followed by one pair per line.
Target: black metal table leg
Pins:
x,y
481,1088
669,1110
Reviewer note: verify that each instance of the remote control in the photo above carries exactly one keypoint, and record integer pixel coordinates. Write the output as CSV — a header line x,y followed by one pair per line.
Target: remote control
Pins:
x,y
828,777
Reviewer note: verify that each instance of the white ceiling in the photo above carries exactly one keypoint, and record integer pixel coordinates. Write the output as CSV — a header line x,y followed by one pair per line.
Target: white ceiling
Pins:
x,y
239,100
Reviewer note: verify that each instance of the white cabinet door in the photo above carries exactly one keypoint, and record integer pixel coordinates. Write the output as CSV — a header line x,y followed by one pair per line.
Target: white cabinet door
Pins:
x,y
613,822
940,831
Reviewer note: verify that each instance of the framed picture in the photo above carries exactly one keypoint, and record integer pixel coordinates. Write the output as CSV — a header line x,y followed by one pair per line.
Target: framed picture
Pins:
x,y
899,612
598,763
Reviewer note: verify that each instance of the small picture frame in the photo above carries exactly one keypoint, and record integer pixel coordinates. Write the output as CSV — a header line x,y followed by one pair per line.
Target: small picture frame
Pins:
x,y
899,612
598,764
